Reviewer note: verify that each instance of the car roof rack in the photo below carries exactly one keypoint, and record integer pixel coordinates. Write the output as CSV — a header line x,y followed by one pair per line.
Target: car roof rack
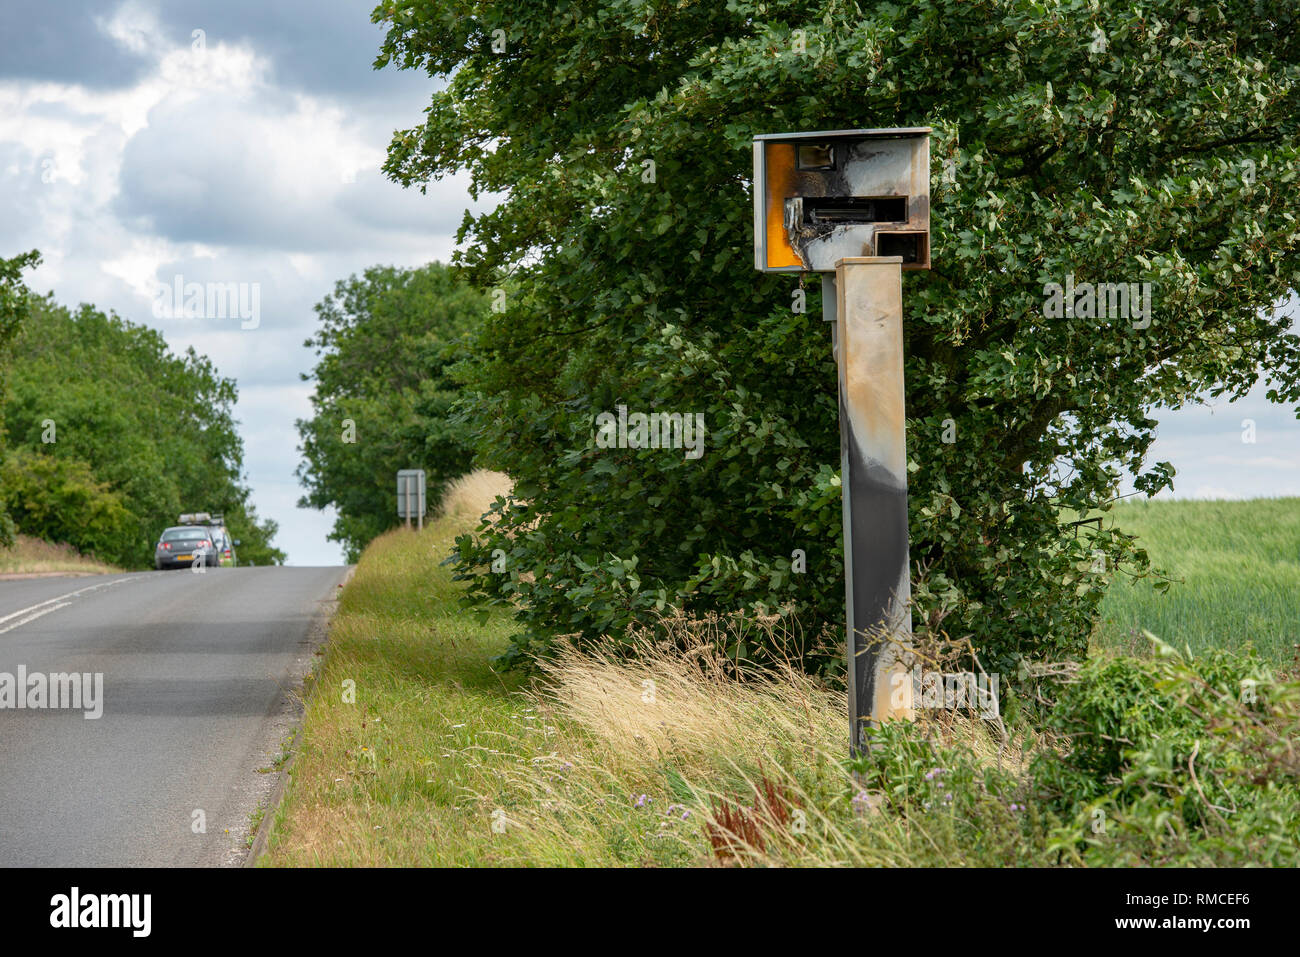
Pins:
x,y
202,518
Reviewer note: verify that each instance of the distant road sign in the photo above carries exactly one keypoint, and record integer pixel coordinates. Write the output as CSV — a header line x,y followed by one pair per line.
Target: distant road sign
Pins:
x,y
410,494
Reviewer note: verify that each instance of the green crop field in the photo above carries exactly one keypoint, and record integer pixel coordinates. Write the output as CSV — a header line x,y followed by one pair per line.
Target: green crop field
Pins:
x,y
1236,567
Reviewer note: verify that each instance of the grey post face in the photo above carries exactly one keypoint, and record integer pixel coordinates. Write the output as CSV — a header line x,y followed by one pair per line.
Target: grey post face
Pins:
x,y
823,197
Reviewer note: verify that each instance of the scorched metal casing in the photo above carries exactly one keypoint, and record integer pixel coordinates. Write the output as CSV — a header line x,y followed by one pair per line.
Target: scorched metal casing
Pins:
x,y
841,194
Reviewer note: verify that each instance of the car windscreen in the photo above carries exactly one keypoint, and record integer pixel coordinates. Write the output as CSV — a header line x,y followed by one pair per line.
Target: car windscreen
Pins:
x,y
184,534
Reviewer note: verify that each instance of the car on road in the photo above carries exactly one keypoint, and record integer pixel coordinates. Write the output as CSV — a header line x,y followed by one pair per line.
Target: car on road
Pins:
x,y
181,546
221,539
225,546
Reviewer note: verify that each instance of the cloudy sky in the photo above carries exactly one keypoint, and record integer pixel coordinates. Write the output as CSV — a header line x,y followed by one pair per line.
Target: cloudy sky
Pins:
x,y
241,141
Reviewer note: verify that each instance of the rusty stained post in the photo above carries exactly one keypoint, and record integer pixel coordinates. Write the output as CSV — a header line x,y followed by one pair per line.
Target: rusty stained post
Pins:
x,y
877,586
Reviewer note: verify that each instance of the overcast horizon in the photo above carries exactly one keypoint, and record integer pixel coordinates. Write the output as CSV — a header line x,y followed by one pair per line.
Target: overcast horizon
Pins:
x,y
141,141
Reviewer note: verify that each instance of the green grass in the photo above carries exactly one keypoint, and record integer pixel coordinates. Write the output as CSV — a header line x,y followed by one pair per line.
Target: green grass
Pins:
x,y
387,779
1236,567
587,770
440,761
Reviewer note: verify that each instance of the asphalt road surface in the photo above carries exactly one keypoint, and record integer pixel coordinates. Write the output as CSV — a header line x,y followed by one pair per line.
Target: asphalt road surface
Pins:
x,y
198,674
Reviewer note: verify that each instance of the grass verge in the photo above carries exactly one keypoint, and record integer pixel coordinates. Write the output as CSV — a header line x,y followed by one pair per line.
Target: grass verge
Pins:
x,y
414,752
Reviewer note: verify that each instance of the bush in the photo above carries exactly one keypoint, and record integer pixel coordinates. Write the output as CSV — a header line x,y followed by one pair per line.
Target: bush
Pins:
x,y
1175,761
59,500
14,297
1142,762
156,427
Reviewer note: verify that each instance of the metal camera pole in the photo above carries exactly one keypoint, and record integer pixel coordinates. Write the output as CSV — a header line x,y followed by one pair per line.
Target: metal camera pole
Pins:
x,y
854,205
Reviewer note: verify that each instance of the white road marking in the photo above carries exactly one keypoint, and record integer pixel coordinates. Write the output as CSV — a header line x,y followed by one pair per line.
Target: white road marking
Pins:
x,y
44,611
51,601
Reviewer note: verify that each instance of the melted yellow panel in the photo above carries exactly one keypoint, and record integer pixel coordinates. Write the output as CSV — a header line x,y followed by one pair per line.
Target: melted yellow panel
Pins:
x,y
778,162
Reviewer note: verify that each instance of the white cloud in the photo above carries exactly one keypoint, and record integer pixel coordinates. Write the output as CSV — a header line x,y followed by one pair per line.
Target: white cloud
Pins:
x,y
134,27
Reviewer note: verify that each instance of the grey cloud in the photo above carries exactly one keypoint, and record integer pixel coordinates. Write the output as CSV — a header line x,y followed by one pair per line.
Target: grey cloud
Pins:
x,y
60,41
377,202
200,173
314,47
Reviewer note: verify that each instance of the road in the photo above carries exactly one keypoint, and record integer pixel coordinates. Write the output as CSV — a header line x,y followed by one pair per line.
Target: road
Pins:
x,y
197,674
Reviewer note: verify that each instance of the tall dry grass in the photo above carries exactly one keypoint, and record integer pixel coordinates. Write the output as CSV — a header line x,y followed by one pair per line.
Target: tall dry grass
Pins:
x,y
34,556
685,760
469,496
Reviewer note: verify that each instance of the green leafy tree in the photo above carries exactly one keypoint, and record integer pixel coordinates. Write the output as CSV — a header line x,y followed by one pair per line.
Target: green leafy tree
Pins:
x,y
1106,142
58,499
153,428
13,307
386,350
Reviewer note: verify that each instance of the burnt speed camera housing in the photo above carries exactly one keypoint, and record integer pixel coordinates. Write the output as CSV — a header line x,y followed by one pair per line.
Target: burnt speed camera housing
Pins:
x,y
822,197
